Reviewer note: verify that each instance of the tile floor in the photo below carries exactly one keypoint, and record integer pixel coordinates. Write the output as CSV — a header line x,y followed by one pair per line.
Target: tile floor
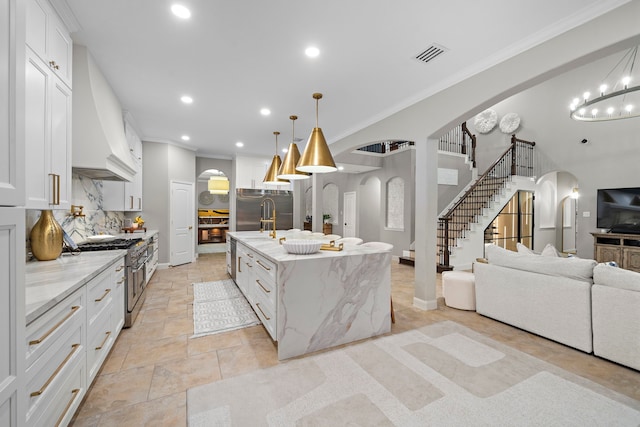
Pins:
x,y
144,380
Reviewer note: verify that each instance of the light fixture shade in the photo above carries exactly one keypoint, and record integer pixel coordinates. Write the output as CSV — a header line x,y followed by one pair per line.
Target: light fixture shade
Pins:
x,y
288,168
272,174
317,156
218,185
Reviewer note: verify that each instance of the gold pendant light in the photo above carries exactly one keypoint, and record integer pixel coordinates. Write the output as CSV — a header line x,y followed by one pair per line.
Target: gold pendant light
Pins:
x,y
317,156
272,174
288,168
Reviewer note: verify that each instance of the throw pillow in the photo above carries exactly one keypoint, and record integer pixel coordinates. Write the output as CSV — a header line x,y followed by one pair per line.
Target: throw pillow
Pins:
x,y
549,250
523,249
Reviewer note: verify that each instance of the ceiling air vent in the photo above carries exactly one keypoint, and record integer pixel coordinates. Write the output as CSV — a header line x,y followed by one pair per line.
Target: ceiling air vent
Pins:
x,y
431,53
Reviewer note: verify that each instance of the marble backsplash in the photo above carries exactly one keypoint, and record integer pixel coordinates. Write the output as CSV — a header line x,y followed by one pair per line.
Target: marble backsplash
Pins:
x,y
88,193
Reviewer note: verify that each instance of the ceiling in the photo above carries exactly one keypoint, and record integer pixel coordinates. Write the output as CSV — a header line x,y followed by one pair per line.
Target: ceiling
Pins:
x,y
236,57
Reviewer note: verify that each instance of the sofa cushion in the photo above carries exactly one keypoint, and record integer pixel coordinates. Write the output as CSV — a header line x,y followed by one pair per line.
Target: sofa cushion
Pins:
x,y
522,249
607,275
549,250
574,268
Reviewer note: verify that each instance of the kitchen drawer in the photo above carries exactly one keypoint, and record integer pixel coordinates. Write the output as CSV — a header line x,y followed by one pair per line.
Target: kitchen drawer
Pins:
x,y
49,373
266,313
99,295
100,339
65,403
264,265
48,329
265,286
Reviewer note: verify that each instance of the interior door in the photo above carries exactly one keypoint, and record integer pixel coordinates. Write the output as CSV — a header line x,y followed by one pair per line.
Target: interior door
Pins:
x,y
349,229
182,219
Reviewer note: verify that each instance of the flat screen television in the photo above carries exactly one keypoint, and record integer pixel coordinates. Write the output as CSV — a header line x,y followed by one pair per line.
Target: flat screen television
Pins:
x,y
619,210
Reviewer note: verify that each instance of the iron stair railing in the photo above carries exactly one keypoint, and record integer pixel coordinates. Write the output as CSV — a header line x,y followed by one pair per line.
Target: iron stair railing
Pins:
x,y
518,160
459,140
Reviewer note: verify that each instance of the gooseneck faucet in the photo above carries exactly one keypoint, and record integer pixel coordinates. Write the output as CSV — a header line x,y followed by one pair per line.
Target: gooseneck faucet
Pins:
x,y
265,208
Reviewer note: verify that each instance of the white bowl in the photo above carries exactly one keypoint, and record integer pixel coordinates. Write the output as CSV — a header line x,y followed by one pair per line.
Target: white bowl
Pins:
x,y
302,247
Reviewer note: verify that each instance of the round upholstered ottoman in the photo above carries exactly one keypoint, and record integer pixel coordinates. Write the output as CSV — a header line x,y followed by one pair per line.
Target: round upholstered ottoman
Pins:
x,y
459,289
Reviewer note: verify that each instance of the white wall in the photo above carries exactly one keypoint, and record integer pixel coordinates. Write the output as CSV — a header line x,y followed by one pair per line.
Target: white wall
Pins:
x,y
608,160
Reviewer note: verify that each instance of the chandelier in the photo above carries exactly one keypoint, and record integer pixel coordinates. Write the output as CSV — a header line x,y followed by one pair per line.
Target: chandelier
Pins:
x,y
617,99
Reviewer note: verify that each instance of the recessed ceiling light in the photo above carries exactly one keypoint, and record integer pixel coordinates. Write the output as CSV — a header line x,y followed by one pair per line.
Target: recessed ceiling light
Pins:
x,y
265,111
312,52
185,137
285,150
239,144
186,99
180,11
340,168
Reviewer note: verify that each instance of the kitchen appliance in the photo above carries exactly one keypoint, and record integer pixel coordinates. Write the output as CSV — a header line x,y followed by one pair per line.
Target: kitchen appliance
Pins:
x,y
135,280
249,211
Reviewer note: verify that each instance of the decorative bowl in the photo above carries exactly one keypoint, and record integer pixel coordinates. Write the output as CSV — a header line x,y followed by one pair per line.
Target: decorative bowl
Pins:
x,y
302,246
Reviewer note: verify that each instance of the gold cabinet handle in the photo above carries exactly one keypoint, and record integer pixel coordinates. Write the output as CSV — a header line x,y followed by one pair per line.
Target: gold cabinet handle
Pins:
x,y
239,264
190,227
74,347
263,288
250,256
262,265
119,268
74,394
130,202
265,316
121,281
55,188
56,326
106,292
108,334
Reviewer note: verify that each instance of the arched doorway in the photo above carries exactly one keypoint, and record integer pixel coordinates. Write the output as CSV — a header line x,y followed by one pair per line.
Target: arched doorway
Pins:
x,y
213,211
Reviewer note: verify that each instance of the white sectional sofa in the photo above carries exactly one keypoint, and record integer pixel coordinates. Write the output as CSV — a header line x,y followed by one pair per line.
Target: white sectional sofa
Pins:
x,y
548,296
616,315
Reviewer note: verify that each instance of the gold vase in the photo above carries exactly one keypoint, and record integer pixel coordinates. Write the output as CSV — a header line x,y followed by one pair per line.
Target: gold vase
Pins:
x,y
46,237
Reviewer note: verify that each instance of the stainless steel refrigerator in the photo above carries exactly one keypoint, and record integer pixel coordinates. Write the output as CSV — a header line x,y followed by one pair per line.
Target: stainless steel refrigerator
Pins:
x,y
249,212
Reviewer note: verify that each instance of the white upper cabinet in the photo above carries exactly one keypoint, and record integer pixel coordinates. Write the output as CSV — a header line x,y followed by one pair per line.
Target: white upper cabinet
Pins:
x,y
47,137
12,158
48,37
250,172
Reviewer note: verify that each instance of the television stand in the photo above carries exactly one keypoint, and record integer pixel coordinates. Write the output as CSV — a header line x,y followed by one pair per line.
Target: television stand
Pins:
x,y
622,248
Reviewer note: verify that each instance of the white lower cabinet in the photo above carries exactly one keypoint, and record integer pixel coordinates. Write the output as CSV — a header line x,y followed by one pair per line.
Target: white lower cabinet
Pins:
x,y
256,278
55,350
67,345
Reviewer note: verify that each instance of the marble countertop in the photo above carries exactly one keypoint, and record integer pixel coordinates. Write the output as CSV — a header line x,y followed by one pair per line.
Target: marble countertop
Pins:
x,y
49,282
273,250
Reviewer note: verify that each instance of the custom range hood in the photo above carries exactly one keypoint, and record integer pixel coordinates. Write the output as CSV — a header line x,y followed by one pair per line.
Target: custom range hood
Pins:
x,y
100,149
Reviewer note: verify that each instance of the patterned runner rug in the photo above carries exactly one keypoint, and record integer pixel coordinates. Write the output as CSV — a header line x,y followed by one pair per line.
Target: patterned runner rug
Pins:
x,y
220,307
440,375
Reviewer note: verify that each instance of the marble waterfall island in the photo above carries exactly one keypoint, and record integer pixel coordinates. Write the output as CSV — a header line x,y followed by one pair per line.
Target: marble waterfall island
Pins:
x,y
316,301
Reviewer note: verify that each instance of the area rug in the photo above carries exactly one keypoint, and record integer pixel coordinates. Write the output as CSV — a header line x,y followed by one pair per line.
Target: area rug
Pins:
x,y
220,307
440,375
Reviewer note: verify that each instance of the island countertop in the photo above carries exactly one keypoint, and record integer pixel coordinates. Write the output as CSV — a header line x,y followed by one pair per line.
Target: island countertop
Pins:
x,y
272,249
49,282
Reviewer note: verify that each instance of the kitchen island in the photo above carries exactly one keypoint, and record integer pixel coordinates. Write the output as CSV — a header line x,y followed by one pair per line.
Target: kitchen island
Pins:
x,y
312,302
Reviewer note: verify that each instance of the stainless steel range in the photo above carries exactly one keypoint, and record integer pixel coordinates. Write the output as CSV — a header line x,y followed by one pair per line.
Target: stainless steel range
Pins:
x,y
135,278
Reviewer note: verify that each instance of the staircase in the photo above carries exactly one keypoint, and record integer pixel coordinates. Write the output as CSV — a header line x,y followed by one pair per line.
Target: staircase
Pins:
x,y
461,228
